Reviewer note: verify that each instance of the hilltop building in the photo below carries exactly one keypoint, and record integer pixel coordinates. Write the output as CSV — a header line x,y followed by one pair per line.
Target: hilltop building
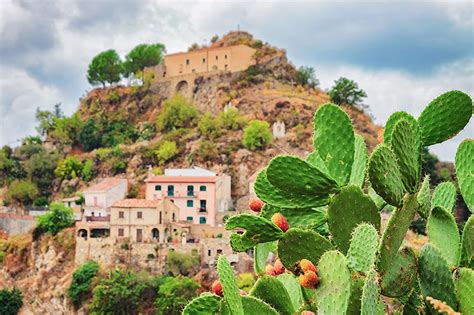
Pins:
x,y
99,197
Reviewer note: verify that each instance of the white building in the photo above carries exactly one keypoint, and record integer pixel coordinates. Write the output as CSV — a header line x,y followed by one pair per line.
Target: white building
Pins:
x,y
100,197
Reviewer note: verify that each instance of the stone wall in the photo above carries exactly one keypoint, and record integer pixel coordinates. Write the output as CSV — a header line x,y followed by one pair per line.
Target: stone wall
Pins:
x,y
15,224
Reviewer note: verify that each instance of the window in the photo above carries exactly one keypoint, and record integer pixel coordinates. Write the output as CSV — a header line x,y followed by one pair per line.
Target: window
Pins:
x,y
225,56
217,57
189,219
139,215
157,187
187,62
170,190
174,217
225,67
219,252
208,252
190,203
190,190
139,235
202,220
120,232
202,188
202,205
203,60
121,216
161,217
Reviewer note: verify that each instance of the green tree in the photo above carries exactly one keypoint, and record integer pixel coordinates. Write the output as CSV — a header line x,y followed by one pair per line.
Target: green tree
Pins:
x,y
180,263
10,301
90,136
32,140
10,167
177,112
257,135
80,287
69,168
174,294
57,218
88,170
306,76
207,150
23,191
143,55
118,132
346,92
67,130
209,126
106,67
166,152
41,168
28,150
231,119
118,294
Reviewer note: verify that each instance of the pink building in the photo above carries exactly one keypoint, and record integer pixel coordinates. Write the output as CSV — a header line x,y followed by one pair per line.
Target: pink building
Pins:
x,y
198,193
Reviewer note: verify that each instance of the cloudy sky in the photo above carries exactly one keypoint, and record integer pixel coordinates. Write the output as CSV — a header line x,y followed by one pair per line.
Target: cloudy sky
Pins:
x,y
403,54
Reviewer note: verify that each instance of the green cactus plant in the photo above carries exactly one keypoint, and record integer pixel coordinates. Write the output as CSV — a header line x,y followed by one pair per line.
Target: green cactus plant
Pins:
x,y
273,292
444,196
465,171
443,233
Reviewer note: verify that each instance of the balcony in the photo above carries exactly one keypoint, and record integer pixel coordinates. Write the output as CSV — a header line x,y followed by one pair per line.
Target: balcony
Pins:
x,y
201,210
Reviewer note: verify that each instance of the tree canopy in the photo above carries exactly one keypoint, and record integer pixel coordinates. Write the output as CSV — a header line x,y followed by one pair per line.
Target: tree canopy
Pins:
x,y
346,92
143,55
106,67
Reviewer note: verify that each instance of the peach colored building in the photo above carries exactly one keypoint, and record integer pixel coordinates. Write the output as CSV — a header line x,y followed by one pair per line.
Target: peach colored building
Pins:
x,y
99,197
199,194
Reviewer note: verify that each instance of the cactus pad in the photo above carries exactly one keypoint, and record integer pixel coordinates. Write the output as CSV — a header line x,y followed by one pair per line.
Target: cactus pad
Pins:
x,y
465,290
261,252
370,301
273,292
467,246
297,244
443,233
400,278
251,306
405,145
257,230
293,288
334,141
444,117
424,204
392,120
311,218
229,286
465,171
356,293
395,231
359,166
385,176
205,304
355,207
379,202
315,159
435,276
285,198
444,196
335,288
363,249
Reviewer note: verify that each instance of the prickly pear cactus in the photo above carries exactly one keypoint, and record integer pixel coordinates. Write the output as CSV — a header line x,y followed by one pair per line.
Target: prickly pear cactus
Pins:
x,y
334,256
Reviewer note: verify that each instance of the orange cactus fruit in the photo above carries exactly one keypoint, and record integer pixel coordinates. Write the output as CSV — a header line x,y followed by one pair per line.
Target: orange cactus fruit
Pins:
x,y
217,288
279,220
256,204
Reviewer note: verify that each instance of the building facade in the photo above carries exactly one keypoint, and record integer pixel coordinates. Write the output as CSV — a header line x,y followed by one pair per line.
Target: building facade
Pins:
x,y
100,197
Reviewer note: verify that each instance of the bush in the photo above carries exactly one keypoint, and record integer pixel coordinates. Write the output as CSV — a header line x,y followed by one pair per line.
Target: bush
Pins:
x,y
57,218
180,264
209,126
119,166
207,150
231,119
41,167
90,137
257,135
174,294
80,287
40,202
305,76
119,132
10,301
166,152
346,92
177,112
69,168
22,191
88,170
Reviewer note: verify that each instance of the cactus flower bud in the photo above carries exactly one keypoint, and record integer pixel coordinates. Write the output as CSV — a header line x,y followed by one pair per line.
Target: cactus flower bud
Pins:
x,y
309,280
256,204
279,220
217,288
242,292
306,265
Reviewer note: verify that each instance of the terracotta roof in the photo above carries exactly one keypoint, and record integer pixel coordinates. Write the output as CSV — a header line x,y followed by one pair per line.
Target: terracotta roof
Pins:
x,y
204,49
182,179
105,185
70,199
136,203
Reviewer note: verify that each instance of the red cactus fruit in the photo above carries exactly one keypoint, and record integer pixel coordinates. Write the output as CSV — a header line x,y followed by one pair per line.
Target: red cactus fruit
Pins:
x,y
278,268
307,313
217,288
306,265
242,292
279,220
256,204
269,270
309,280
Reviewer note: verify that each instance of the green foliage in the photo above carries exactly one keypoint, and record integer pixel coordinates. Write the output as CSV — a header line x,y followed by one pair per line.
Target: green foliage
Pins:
x,y
10,301
346,92
205,304
118,132
166,152
257,135
57,218
88,170
22,191
10,166
67,130
465,171
181,264
245,281
80,287
106,67
174,294
305,76
177,112
272,291
210,126
69,168
40,201
232,120
207,150
141,56
229,287
40,168
90,137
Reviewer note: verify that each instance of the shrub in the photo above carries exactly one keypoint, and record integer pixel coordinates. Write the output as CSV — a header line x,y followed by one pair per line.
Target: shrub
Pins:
x,y
305,76
41,201
209,126
119,132
10,301
90,136
207,150
257,135
40,168
22,191
166,152
177,112
57,218
231,119
69,168
80,287
119,166
174,293
2,257
180,264
88,170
